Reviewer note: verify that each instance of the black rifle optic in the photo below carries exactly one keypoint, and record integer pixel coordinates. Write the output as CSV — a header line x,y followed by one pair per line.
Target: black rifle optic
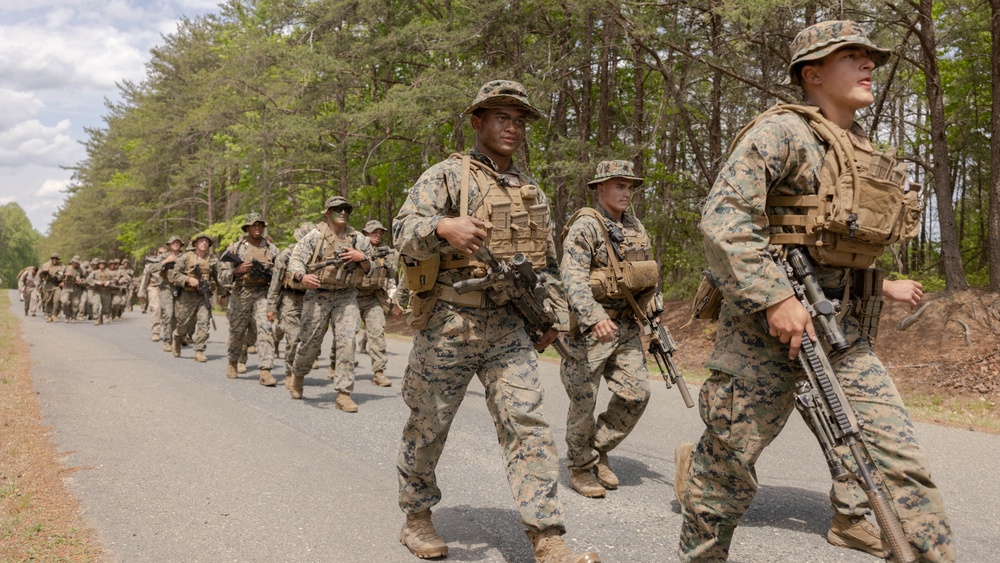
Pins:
x,y
821,401
524,291
258,269
205,289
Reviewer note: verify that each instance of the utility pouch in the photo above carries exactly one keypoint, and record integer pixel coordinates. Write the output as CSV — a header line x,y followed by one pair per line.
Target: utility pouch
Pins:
x,y
421,306
707,300
639,276
866,287
421,275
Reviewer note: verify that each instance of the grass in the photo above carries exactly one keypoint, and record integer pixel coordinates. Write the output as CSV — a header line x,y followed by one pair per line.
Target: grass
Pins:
x,y
39,518
974,413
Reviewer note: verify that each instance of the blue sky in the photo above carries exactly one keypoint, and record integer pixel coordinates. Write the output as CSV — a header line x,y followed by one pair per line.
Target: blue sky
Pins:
x,y
59,62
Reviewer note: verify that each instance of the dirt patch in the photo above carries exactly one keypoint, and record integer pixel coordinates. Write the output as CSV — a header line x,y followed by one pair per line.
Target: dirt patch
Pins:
x,y
39,519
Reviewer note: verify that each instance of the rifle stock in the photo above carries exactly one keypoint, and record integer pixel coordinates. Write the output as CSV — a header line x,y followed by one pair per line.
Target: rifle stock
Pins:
x,y
662,347
821,400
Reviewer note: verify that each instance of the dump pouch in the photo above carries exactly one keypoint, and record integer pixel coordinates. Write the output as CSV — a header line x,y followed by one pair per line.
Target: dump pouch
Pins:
x,y
421,275
707,300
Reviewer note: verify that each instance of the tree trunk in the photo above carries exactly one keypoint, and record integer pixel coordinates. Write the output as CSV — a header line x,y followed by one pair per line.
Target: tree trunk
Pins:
x,y
951,251
994,214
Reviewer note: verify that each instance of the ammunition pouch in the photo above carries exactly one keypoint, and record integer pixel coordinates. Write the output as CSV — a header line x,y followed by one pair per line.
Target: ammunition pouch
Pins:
x,y
866,300
636,278
421,275
707,300
421,306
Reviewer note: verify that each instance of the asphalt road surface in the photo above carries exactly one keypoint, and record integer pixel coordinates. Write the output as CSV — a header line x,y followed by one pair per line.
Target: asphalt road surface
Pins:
x,y
177,463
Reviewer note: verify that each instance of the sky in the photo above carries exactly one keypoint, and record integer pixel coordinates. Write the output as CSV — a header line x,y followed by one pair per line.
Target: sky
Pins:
x,y
60,61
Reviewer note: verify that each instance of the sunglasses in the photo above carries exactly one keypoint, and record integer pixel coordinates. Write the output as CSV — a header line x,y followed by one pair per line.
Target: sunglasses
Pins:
x,y
341,209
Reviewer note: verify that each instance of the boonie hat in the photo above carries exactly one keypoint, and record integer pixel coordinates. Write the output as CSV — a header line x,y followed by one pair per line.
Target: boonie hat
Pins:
x,y
819,40
608,169
303,230
372,225
338,201
75,259
101,261
252,217
174,239
114,261
204,236
503,93
54,255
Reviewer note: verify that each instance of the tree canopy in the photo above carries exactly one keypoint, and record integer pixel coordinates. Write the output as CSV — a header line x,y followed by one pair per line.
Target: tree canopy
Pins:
x,y
273,105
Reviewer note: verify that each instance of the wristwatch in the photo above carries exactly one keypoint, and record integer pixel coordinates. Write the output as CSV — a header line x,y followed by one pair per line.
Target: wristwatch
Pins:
x,y
298,277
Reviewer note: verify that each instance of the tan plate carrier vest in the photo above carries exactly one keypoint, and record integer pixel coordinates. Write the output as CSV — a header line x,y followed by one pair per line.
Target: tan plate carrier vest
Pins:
x,y
863,202
205,266
336,276
261,254
376,278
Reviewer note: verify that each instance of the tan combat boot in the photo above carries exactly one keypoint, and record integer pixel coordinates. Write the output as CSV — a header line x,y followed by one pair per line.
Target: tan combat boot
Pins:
x,y
330,372
381,380
583,482
315,364
288,381
855,532
199,356
419,536
241,367
345,403
682,458
296,388
550,548
266,379
177,347
251,349
155,337
231,370
605,475
166,343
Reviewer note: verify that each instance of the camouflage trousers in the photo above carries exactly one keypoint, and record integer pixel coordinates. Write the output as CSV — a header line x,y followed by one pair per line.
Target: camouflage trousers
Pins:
x,y
320,308
622,364
117,303
51,301
168,321
71,302
744,414
100,304
31,300
457,344
153,309
191,313
248,306
291,321
373,316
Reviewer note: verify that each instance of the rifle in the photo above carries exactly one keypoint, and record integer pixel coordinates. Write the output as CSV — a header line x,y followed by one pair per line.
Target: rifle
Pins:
x,y
335,261
662,348
524,291
258,269
821,401
661,343
205,289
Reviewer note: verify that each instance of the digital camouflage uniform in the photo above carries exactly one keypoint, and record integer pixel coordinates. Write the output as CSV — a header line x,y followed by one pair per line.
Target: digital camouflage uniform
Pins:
x,y
322,307
285,295
748,397
149,289
460,342
620,362
50,276
189,307
73,290
373,302
100,281
248,300
120,284
168,291
28,283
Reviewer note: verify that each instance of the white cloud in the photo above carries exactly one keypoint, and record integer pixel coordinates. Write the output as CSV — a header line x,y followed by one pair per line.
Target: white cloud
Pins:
x,y
31,142
5,199
17,106
52,187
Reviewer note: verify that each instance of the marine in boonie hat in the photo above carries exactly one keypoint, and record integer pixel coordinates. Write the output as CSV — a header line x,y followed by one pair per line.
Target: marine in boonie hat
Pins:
x,y
251,218
75,259
338,201
175,238
608,169
496,93
54,255
205,236
372,225
819,40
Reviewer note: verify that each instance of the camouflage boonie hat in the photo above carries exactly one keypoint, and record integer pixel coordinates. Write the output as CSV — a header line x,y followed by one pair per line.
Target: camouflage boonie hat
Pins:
x,y
75,259
372,225
100,261
174,239
503,93
608,169
251,219
817,41
54,255
114,261
204,236
338,201
303,230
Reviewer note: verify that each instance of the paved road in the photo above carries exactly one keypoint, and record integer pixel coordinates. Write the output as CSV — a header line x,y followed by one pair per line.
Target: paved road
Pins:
x,y
177,463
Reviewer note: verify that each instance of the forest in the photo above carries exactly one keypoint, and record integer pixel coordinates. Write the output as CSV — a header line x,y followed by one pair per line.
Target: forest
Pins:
x,y
274,105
